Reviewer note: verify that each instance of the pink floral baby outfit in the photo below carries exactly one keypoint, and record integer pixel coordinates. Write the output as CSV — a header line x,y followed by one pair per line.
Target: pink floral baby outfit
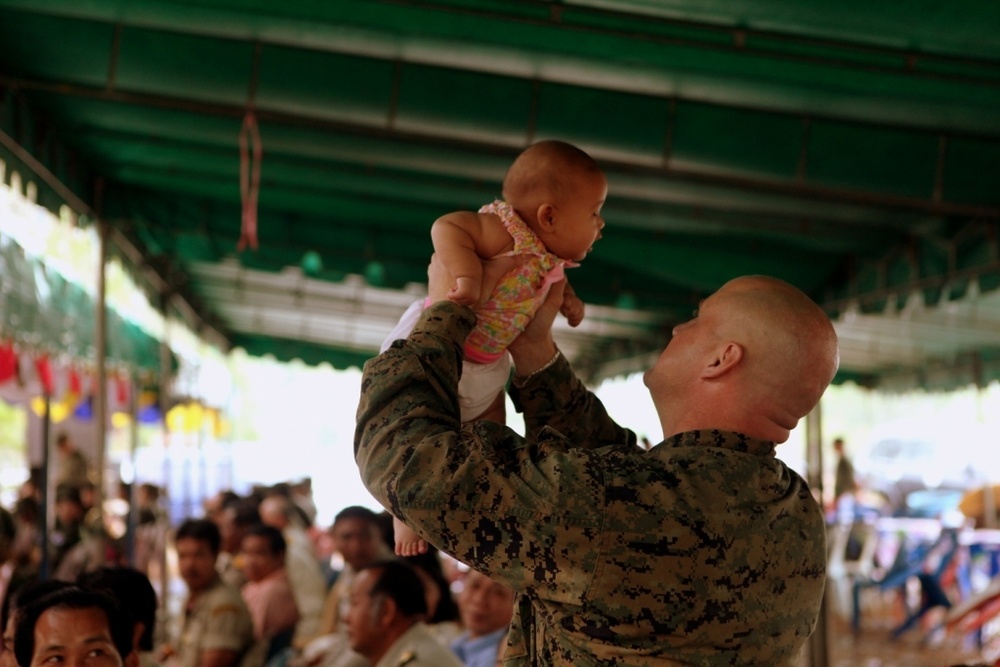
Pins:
x,y
511,305
518,294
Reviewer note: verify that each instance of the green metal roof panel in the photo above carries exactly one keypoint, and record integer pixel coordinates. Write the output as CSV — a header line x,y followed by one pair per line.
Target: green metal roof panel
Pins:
x,y
972,171
849,148
738,140
880,159
70,58
859,21
501,105
324,85
151,61
91,120
603,119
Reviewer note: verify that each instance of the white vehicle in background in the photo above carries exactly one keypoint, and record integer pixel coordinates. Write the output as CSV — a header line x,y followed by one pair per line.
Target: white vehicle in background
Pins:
x,y
923,468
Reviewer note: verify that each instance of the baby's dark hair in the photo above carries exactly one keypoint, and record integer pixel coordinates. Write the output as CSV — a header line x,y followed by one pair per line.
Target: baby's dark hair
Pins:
x,y
546,167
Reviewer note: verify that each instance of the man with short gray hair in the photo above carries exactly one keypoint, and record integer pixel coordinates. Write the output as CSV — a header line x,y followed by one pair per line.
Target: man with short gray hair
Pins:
x,y
385,622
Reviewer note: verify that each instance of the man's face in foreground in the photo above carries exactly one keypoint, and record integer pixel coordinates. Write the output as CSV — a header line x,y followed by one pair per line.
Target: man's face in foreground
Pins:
x,y
74,638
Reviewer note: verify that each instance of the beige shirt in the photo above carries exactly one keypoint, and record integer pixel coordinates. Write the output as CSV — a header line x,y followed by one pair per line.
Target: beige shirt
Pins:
x,y
417,647
72,469
338,598
219,620
307,580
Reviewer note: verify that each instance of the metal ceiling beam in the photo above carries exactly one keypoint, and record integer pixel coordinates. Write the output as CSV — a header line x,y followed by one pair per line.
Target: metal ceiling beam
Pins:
x,y
965,370
415,263
695,214
368,41
324,35
738,35
702,176
874,296
931,331
705,204
739,42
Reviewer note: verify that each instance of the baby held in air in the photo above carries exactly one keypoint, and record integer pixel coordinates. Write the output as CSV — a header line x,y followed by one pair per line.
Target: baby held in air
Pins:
x,y
548,220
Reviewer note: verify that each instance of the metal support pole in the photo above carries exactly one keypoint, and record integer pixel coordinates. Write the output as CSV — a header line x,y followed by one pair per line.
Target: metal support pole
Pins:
x,y
166,367
814,452
132,523
100,342
45,489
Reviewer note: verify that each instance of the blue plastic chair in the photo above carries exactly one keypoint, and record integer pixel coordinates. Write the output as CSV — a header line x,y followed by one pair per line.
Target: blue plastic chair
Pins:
x,y
912,562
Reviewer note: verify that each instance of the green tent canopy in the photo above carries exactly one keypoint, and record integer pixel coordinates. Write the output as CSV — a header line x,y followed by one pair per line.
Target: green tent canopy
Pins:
x,y
850,148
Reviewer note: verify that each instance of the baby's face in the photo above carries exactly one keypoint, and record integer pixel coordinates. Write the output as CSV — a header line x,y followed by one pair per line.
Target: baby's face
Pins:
x,y
577,222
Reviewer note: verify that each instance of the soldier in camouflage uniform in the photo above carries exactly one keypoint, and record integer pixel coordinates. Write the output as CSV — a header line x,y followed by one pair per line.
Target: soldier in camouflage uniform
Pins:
x,y
704,550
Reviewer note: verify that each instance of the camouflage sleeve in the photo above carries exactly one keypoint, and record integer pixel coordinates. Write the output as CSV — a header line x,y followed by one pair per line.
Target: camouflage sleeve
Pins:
x,y
557,398
519,511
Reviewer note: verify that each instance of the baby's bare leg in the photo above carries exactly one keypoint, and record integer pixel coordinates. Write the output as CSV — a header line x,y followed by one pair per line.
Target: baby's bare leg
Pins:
x,y
408,543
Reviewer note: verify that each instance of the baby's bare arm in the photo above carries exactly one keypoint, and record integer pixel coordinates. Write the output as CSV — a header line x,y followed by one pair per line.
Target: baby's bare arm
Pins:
x,y
572,306
462,241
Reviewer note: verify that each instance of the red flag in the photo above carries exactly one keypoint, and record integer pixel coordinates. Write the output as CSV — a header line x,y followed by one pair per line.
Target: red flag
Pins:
x,y
75,384
121,389
8,361
44,368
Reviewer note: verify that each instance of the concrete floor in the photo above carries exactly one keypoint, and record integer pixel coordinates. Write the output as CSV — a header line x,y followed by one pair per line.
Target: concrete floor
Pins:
x,y
918,647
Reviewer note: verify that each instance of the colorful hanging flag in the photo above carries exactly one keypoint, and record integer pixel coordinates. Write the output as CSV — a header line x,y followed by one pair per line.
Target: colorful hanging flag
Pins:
x,y
44,369
8,362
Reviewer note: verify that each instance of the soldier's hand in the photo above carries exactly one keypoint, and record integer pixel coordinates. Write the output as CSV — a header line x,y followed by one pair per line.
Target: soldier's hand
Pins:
x,y
535,347
439,279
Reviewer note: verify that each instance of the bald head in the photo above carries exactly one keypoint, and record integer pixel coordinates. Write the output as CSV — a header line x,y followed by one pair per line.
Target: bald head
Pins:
x,y
790,343
545,172
756,359
275,511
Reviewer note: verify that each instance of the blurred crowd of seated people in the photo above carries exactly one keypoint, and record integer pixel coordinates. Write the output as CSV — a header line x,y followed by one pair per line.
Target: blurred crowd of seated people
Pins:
x,y
255,581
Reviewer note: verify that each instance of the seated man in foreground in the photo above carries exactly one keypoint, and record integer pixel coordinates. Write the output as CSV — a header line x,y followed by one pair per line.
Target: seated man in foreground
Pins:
x,y
385,621
72,626
705,549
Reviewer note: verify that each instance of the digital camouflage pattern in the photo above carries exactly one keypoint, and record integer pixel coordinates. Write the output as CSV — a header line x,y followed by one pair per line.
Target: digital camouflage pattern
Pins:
x,y
705,550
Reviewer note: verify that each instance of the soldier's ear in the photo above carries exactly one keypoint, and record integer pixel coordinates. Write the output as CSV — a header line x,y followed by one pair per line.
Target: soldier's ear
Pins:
x,y
726,358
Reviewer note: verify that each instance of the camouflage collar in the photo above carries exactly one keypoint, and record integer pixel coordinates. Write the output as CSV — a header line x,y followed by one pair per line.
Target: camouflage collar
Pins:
x,y
725,439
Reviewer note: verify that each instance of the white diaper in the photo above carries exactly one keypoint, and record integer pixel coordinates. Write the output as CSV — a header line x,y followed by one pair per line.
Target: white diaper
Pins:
x,y
405,325
479,384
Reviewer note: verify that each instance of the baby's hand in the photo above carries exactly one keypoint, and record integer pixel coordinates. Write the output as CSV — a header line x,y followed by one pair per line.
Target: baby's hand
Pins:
x,y
465,291
572,307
